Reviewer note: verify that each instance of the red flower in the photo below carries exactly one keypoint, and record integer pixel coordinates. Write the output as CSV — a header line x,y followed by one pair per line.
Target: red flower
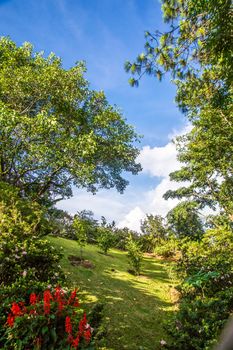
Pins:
x,y
15,309
82,324
73,299
75,342
32,298
68,325
10,320
58,296
76,302
47,298
87,335
58,293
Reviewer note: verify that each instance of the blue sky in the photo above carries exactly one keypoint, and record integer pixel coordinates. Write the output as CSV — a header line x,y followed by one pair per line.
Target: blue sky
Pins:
x,y
106,33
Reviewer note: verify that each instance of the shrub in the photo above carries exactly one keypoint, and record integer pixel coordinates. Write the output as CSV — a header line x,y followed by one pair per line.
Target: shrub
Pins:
x,y
166,248
23,250
80,234
206,290
54,321
134,255
33,257
28,263
199,321
105,239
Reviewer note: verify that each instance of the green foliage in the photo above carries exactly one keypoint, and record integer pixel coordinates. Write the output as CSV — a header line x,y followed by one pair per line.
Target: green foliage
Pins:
x,y
196,50
121,237
213,253
20,217
154,232
80,233
22,251
28,262
17,291
34,257
55,131
184,221
206,290
105,239
48,321
167,248
61,222
199,321
134,255
89,225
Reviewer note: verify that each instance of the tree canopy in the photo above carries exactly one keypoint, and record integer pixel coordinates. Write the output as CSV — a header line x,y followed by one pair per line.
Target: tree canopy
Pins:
x,y
54,131
197,51
184,221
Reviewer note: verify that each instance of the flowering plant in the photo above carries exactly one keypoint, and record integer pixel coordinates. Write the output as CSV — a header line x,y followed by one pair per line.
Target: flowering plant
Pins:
x,y
52,321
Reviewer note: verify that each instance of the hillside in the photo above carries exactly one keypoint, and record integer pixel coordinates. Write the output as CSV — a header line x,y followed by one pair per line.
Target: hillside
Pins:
x,y
135,307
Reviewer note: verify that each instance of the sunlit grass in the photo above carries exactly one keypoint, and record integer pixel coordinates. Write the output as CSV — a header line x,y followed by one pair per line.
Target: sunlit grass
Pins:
x,y
135,307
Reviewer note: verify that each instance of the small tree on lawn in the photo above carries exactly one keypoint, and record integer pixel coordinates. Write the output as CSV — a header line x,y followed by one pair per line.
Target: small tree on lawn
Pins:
x,y
80,233
134,255
105,239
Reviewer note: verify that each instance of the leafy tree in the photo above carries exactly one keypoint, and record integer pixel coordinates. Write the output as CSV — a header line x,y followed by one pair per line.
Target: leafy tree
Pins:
x,y
153,232
184,221
54,131
134,255
89,225
105,239
61,222
197,51
80,233
121,236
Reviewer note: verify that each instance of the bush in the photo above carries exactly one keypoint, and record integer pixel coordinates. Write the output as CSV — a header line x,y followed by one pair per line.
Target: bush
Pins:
x,y
28,263
35,258
166,248
105,239
54,321
23,250
199,321
206,290
134,256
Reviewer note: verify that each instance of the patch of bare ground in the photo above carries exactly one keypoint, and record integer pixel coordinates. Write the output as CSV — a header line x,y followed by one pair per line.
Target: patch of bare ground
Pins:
x,y
78,261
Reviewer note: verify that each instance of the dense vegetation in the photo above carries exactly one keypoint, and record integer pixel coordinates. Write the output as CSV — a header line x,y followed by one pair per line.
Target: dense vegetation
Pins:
x,y
196,50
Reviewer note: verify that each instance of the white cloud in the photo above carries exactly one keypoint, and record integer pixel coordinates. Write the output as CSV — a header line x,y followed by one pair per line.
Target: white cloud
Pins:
x,y
158,205
156,162
104,203
159,161
132,219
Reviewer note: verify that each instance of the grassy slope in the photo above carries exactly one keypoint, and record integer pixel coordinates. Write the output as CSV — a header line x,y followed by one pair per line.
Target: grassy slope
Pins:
x,y
135,306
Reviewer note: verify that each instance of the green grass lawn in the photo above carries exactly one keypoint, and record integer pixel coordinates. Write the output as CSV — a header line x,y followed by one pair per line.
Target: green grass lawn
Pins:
x,y
135,306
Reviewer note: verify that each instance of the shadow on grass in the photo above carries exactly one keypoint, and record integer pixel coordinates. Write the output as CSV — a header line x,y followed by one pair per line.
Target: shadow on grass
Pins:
x,y
135,306
134,315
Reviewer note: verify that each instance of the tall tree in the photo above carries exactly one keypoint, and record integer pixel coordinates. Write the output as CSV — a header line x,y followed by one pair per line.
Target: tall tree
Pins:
x,y
153,230
197,51
184,220
54,131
